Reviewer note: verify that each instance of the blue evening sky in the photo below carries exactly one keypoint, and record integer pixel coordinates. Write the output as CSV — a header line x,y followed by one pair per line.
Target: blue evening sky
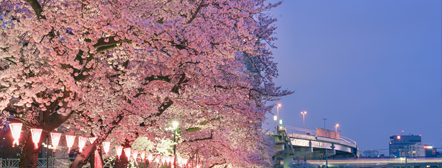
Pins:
x,y
373,66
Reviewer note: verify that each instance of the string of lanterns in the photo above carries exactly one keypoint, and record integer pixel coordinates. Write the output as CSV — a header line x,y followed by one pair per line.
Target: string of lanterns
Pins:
x,y
70,139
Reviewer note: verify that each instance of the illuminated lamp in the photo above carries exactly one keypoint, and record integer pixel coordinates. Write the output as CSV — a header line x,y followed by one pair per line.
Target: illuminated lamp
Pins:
x,y
127,152
92,139
425,146
163,159
150,157
55,139
119,149
81,142
169,159
36,134
135,154
70,139
106,146
398,137
143,155
16,130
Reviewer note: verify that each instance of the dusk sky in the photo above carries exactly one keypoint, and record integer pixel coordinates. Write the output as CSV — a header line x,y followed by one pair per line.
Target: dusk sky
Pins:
x,y
373,66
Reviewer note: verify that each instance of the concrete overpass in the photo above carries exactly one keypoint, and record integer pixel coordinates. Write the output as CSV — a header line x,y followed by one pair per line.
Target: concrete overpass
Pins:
x,y
299,144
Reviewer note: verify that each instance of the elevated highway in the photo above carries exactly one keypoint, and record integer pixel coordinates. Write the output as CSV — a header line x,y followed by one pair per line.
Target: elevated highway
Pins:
x,y
294,143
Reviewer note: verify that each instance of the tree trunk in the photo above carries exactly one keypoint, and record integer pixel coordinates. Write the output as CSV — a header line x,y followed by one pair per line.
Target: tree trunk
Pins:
x,y
122,162
82,159
29,155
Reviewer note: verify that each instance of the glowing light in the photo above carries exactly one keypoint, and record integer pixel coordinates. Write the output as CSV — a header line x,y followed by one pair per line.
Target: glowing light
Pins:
x,y
175,124
135,154
280,122
398,137
36,134
119,149
81,142
55,139
70,139
275,117
92,139
127,153
279,105
429,147
16,131
150,156
143,155
106,146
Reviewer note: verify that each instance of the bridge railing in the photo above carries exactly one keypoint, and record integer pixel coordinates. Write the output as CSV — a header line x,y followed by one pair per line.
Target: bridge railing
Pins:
x,y
42,163
307,134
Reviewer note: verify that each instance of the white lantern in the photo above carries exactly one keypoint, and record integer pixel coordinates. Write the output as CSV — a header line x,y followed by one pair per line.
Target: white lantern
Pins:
x,y
82,142
16,131
55,139
70,139
36,134
106,146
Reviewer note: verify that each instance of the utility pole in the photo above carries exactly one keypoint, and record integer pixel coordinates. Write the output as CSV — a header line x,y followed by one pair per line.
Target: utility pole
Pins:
x,y
324,122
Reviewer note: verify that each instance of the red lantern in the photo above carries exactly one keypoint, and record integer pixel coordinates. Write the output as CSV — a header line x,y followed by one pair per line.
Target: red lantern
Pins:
x,y
81,142
70,139
55,139
143,155
16,131
127,152
36,134
135,154
106,146
92,139
119,150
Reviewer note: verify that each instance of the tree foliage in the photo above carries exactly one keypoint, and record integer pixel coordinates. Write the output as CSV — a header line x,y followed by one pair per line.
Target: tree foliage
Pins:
x,y
127,68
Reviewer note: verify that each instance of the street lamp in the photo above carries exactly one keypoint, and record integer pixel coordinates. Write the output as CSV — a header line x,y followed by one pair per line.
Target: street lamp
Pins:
x,y
175,126
275,118
277,110
336,127
280,122
303,118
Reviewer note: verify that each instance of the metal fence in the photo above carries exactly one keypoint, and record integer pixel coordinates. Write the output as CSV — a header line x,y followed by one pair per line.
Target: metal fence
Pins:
x,y
43,163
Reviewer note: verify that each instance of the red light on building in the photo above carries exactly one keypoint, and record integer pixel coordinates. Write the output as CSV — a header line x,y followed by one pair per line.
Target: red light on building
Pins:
x,y
425,146
398,137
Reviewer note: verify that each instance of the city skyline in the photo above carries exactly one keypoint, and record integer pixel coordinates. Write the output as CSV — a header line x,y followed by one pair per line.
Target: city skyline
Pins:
x,y
374,67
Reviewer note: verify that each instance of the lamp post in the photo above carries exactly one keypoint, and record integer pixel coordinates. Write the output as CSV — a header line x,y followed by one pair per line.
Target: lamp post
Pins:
x,y
277,110
275,118
175,126
324,121
336,127
303,119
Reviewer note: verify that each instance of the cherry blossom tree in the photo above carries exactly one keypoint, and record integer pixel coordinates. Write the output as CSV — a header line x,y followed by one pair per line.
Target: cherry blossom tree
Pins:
x,y
128,68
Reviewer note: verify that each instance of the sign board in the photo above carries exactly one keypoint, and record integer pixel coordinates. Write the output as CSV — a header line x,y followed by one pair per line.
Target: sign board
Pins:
x,y
327,133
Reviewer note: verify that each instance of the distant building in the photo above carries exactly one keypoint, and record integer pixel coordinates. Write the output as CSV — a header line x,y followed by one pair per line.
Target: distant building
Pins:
x,y
399,144
430,151
417,150
370,153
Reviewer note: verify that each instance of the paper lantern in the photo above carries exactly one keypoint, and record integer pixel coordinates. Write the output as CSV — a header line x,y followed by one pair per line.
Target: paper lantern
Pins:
x,y
119,150
16,131
163,159
81,142
143,155
70,139
36,134
170,159
135,154
127,152
55,139
150,156
106,146
92,139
